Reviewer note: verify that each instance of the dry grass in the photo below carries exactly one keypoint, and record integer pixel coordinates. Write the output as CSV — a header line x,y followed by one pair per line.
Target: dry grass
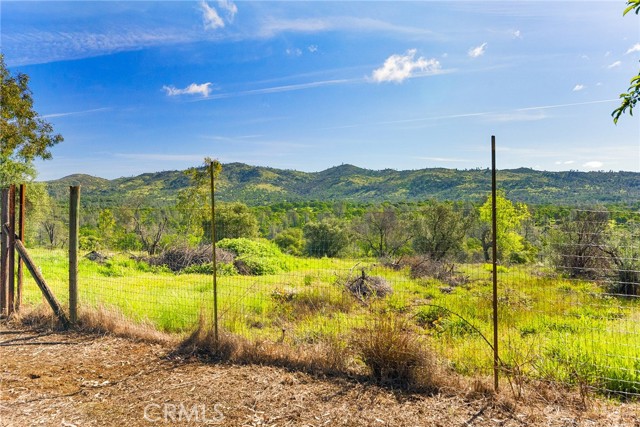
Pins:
x,y
93,321
327,357
396,356
79,379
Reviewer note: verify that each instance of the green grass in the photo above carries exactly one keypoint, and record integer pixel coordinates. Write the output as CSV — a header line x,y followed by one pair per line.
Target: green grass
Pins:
x,y
549,327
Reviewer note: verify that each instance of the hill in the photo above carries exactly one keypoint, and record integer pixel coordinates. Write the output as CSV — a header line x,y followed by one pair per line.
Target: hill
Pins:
x,y
256,185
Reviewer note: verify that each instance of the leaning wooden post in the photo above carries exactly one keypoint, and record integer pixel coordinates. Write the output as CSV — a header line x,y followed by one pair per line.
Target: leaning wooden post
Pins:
x,y
21,237
11,255
4,258
74,227
494,227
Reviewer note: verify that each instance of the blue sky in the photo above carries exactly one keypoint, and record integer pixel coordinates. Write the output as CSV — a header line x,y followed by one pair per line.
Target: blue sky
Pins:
x,y
147,86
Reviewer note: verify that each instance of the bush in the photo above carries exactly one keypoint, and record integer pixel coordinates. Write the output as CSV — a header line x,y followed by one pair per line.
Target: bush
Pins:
x,y
395,355
256,257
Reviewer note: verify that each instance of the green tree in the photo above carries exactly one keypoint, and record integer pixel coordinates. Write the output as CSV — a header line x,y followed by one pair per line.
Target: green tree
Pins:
x,y
439,230
235,220
325,238
509,219
106,227
630,98
383,231
291,241
24,135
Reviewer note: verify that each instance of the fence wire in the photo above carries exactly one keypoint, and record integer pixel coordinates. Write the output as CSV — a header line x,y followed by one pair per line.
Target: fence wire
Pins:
x,y
568,291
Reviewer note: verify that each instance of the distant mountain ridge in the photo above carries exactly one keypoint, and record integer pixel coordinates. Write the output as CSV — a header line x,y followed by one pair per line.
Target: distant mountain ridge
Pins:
x,y
258,185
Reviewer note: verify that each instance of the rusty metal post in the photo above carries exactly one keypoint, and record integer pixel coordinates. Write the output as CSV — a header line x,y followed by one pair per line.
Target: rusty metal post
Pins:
x,y
74,228
4,258
494,226
11,255
21,236
213,249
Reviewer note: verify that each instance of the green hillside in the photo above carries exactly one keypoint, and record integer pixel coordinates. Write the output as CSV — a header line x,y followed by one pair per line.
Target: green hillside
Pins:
x,y
256,185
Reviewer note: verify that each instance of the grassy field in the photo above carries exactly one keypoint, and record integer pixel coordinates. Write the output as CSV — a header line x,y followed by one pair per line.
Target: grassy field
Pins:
x,y
549,327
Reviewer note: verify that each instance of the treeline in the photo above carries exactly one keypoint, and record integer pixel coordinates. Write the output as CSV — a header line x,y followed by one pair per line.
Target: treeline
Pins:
x,y
439,231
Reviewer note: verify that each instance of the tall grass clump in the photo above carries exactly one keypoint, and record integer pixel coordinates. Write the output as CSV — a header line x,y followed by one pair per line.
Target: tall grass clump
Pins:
x,y
395,355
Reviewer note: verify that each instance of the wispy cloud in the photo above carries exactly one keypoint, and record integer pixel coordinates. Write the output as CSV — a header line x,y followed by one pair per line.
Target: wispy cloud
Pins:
x,y
229,8
566,162
634,48
578,88
273,26
614,64
593,164
515,116
398,68
573,104
285,88
478,51
74,113
203,89
516,34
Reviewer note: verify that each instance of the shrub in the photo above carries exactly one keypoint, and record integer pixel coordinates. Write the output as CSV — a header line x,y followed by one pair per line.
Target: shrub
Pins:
x,y
256,257
395,355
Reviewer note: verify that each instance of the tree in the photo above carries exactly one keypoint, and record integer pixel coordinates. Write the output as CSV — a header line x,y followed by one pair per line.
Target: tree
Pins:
x,y
581,247
383,231
325,238
24,135
630,98
439,231
291,241
235,220
509,218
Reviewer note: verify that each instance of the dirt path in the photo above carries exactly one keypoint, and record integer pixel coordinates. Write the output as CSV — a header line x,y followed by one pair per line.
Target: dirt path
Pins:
x,y
66,379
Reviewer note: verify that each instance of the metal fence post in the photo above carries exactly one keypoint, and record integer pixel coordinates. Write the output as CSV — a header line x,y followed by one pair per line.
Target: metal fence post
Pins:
x,y
74,227
494,226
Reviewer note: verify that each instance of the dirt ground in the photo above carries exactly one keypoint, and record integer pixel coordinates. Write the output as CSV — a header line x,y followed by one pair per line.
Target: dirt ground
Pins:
x,y
68,379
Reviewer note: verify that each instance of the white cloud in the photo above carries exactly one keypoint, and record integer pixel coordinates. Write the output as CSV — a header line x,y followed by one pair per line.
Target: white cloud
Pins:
x,y
567,162
516,34
578,88
203,89
229,7
634,48
313,48
293,52
478,51
593,165
614,65
397,68
210,17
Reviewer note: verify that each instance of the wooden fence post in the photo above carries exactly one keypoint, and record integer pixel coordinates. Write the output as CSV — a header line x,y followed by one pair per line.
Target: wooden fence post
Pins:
x,y
21,237
11,248
74,227
4,259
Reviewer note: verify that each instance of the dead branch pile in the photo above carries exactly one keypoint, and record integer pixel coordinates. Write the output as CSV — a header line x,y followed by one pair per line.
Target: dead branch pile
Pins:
x,y
179,258
421,267
365,287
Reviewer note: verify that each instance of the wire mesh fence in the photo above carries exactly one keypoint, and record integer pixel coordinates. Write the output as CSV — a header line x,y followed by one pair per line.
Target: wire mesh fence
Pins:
x,y
304,274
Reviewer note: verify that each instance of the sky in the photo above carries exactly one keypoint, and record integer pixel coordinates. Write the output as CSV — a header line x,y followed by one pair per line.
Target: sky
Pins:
x,y
141,86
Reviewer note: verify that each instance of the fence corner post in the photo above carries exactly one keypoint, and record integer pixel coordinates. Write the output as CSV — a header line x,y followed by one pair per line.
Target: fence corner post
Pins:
x,y
74,228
